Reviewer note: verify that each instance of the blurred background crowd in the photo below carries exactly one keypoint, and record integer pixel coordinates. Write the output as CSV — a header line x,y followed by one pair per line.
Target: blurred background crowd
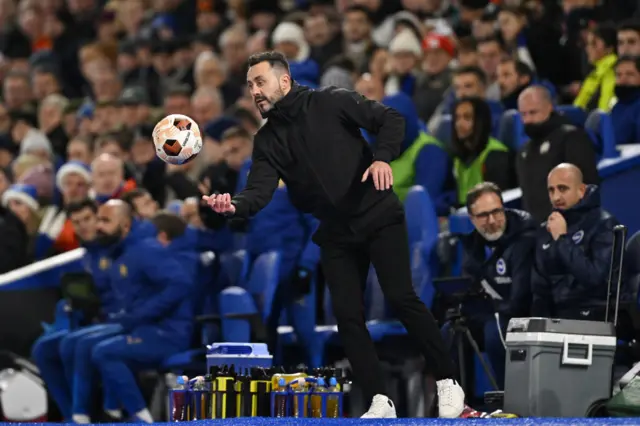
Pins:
x,y
85,77
85,81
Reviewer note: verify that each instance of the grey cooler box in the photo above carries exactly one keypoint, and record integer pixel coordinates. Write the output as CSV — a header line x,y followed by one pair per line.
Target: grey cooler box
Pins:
x,y
557,368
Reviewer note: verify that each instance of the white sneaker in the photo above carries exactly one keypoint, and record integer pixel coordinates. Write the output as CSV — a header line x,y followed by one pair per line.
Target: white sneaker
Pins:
x,y
381,408
450,399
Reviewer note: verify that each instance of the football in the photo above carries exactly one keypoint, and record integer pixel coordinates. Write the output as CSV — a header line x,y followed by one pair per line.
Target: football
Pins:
x,y
177,139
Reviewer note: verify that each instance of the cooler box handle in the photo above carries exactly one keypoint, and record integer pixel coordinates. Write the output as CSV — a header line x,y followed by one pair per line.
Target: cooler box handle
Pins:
x,y
567,360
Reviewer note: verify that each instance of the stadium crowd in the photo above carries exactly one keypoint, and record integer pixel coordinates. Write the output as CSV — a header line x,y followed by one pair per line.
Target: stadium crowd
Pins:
x,y
85,81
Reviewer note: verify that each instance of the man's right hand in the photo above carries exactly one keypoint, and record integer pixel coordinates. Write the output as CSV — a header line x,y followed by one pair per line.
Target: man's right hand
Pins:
x,y
220,203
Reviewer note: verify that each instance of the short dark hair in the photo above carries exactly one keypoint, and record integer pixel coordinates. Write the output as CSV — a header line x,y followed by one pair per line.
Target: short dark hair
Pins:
x,y
607,32
275,59
492,39
169,223
633,59
522,69
467,44
481,189
475,70
77,206
360,9
630,25
86,140
121,138
520,11
46,69
130,196
236,132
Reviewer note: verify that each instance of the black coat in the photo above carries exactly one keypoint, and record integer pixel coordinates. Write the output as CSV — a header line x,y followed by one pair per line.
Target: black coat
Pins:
x,y
508,268
571,273
14,242
564,143
312,141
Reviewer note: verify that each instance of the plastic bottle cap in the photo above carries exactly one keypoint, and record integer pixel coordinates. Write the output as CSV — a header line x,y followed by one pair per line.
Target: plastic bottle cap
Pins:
x,y
281,382
333,382
320,381
180,380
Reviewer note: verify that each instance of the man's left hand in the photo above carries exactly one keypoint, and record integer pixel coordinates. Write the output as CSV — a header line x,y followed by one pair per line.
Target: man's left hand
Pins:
x,y
556,225
381,174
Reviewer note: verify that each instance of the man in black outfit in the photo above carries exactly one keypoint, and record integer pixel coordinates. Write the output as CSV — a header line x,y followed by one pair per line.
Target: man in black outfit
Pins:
x,y
312,142
552,140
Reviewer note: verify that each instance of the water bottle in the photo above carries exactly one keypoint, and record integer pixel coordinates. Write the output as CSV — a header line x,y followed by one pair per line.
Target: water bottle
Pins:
x,y
300,398
179,400
198,399
317,397
280,399
333,399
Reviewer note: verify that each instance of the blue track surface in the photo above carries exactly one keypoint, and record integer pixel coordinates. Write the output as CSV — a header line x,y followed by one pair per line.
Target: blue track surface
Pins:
x,y
393,422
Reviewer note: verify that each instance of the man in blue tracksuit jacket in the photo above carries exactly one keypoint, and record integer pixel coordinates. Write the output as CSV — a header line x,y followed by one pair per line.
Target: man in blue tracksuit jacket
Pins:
x,y
281,227
76,348
573,250
157,319
499,255
51,351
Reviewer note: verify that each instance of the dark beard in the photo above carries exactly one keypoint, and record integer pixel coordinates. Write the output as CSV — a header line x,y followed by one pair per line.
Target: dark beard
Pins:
x,y
107,240
272,100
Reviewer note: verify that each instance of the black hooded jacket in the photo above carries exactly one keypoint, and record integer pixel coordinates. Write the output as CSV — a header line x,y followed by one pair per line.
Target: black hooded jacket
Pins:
x,y
571,273
312,141
508,268
559,142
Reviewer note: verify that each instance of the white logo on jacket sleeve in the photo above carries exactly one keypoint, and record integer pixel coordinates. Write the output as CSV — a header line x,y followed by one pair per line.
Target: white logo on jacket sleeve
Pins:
x,y
578,236
501,267
544,148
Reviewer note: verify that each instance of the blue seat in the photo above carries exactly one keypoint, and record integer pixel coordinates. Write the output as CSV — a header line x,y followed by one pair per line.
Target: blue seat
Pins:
x,y
245,309
421,217
459,223
423,225
576,115
379,328
297,327
599,125
443,131
233,269
207,321
511,130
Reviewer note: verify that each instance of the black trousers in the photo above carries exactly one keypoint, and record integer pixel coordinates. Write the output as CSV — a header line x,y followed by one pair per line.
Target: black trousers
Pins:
x,y
345,261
